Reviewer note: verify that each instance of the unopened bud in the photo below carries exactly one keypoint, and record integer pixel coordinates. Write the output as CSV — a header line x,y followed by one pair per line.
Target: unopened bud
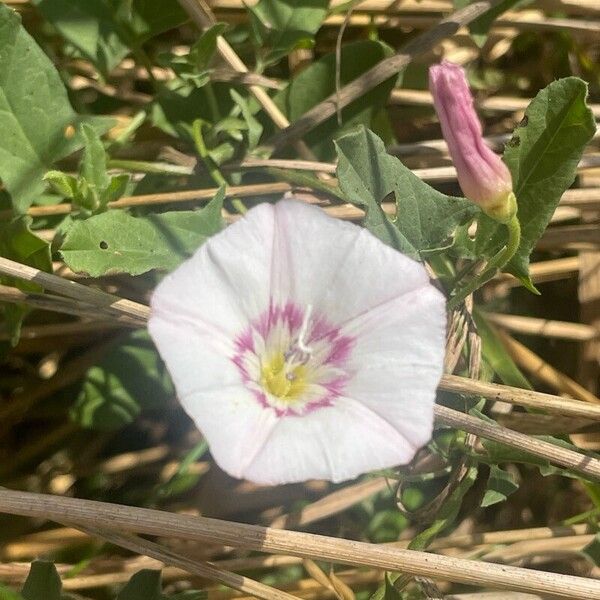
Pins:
x,y
482,175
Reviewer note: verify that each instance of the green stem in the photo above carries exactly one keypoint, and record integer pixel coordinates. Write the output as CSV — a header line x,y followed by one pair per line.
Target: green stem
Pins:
x,y
494,265
143,166
136,122
212,168
212,102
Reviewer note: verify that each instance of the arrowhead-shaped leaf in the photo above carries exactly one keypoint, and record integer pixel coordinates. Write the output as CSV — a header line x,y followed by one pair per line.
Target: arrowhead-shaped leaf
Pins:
x,y
425,218
39,126
542,156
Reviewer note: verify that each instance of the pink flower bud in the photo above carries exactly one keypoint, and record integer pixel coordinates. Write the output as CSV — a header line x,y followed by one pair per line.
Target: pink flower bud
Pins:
x,y
482,175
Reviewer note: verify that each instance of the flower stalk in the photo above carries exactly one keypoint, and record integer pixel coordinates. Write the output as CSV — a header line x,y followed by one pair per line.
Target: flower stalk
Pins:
x,y
494,265
213,169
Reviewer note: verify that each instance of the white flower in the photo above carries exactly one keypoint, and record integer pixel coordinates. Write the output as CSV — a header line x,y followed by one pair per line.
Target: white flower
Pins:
x,y
302,346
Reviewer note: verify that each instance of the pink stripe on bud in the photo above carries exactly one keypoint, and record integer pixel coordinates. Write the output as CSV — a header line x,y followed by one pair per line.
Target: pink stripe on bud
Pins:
x,y
482,175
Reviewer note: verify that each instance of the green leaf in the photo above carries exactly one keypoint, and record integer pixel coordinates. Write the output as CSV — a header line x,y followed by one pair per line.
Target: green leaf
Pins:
x,y
204,49
447,513
131,377
480,27
116,242
93,162
542,156
282,25
317,82
19,243
144,585
592,550
104,30
183,480
43,582
89,27
7,594
174,110
116,188
39,126
149,18
391,592
255,129
495,354
63,184
501,484
425,218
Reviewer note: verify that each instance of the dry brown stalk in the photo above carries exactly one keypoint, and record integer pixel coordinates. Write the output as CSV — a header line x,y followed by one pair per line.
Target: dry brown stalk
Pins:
x,y
365,5
71,289
540,424
586,198
333,503
585,7
35,332
58,304
42,542
545,327
508,536
194,567
557,455
85,582
252,537
529,548
540,369
45,541
507,27
381,72
201,14
242,191
544,271
584,236
521,397
16,572
495,103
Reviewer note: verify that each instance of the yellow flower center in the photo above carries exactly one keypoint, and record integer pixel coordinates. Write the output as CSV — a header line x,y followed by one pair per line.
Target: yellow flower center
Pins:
x,y
286,381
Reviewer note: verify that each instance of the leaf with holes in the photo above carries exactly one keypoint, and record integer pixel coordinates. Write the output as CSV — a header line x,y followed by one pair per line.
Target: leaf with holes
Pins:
x,y
425,218
116,242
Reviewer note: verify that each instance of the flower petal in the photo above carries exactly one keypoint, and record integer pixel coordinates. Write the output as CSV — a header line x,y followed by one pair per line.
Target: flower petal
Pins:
x,y
378,304
336,266
227,281
398,360
196,359
336,443
234,424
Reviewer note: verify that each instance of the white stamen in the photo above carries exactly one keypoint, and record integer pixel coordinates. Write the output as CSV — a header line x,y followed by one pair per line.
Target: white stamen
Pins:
x,y
304,330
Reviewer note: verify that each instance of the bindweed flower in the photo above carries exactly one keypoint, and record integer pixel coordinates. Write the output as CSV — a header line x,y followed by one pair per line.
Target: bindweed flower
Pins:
x,y
482,175
302,347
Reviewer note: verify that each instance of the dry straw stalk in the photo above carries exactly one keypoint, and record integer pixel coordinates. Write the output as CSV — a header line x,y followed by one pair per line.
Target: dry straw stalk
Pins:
x,y
305,545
